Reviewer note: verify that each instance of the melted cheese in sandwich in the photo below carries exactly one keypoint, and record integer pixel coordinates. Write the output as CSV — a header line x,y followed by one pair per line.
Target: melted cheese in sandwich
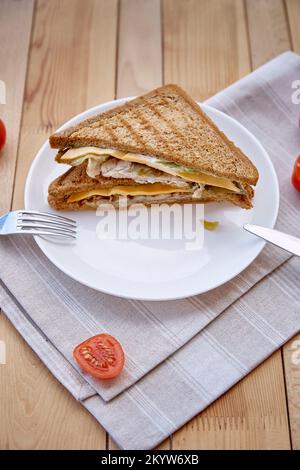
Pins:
x,y
76,156
139,190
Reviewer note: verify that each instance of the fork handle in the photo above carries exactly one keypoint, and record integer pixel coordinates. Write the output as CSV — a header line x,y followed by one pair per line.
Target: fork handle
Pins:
x,y
282,240
2,221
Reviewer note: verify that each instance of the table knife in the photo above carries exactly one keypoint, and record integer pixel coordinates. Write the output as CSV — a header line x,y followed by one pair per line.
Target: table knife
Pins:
x,y
280,239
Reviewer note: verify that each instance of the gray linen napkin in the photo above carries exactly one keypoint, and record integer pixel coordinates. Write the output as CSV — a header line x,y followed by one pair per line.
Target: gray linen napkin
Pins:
x,y
207,366
77,312
68,312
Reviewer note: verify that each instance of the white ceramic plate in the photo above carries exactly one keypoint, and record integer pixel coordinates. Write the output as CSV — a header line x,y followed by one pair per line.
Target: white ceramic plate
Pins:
x,y
159,269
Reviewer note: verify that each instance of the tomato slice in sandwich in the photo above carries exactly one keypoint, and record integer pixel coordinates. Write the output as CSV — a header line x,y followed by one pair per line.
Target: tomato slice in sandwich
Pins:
x,y
101,356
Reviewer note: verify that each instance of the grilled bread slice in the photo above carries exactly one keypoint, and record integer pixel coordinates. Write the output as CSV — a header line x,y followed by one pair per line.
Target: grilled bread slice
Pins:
x,y
165,123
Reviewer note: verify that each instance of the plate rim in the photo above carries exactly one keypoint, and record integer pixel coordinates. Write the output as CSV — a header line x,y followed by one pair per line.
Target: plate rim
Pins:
x,y
95,109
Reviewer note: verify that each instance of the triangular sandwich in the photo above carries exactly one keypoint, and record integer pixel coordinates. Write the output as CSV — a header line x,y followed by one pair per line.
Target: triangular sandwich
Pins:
x,y
162,146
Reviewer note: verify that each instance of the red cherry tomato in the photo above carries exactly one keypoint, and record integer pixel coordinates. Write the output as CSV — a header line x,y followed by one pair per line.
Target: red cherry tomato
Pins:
x,y
2,135
101,356
296,174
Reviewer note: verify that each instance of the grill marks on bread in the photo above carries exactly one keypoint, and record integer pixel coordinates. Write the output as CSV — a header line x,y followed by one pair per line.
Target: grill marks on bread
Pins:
x,y
168,124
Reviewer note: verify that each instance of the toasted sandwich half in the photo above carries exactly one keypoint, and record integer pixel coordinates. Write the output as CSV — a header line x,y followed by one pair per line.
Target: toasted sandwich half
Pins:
x,y
75,190
160,147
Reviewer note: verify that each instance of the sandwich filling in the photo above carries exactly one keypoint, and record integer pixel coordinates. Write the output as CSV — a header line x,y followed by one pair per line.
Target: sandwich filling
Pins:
x,y
119,201
154,176
139,190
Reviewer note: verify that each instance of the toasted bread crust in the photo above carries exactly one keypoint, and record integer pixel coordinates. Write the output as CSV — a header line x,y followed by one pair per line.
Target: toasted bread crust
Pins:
x,y
168,124
76,179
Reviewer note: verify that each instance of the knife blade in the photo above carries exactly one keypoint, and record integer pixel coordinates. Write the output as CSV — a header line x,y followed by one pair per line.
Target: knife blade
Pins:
x,y
282,240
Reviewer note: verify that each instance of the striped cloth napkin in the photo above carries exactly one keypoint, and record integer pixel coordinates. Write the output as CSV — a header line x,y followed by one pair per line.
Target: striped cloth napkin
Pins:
x,y
197,347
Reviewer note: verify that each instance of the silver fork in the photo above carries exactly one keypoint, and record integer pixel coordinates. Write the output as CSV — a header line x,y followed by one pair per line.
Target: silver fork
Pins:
x,y
37,223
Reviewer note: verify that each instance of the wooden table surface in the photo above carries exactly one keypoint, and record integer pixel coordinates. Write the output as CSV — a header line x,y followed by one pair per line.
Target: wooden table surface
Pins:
x,y
59,57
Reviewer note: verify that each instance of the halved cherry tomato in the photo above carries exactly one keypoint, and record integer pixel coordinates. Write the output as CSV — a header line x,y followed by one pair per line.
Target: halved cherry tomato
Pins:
x,y
2,135
296,174
101,356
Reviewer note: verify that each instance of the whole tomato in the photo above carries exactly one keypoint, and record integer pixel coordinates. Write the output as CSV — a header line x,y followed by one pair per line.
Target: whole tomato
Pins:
x,y
296,174
2,135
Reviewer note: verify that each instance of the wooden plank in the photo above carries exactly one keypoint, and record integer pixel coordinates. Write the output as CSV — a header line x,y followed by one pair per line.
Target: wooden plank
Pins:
x,y
205,44
16,18
166,445
140,52
206,47
291,354
293,15
39,413
268,30
71,67
252,415
139,61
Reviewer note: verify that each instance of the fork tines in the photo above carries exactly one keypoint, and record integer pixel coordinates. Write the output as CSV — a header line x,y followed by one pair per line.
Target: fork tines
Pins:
x,y
43,223
48,216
